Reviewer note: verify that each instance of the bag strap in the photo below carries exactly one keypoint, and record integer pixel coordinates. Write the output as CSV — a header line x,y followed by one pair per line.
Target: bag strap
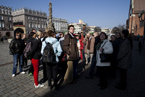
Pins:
x,y
104,43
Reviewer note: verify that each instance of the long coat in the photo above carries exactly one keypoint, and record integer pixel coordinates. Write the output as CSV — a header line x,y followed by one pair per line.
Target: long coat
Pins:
x,y
85,41
124,57
108,49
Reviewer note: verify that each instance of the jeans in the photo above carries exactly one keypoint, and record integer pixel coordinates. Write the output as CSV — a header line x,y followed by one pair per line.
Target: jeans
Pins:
x,y
93,66
16,58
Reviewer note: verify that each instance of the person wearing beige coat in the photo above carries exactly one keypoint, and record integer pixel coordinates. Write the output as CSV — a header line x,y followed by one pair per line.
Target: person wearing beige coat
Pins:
x,y
89,41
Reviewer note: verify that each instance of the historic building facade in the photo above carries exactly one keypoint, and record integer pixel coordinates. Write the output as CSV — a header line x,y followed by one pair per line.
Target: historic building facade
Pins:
x,y
136,20
6,21
31,19
60,25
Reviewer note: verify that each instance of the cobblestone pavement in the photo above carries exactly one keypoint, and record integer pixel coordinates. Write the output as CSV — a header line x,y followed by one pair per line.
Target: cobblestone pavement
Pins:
x,y
22,85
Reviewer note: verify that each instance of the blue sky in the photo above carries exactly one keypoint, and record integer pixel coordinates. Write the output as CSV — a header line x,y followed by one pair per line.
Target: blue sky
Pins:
x,y
102,13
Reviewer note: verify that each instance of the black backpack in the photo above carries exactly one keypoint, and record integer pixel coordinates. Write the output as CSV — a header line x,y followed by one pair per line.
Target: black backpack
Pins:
x,y
48,54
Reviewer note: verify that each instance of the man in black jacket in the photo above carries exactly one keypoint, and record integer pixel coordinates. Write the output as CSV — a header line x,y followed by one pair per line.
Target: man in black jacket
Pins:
x,y
16,48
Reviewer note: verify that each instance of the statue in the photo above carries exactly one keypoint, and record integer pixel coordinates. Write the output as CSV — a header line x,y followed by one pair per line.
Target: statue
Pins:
x,y
50,24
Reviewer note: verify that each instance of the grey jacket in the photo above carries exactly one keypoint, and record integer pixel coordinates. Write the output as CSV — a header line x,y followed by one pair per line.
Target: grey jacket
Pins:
x,y
124,57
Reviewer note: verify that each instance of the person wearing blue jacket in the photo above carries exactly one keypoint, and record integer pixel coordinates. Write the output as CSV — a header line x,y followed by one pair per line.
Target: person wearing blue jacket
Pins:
x,y
51,68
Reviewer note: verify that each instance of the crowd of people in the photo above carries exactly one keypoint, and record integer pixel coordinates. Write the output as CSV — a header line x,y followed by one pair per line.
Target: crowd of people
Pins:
x,y
60,54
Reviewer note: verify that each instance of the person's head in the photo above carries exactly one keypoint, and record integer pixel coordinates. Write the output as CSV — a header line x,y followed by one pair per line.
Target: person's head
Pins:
x,y
96,34
43,34
50,33
18,35
103,36
61,34
77,36
33,30
23,36
125,33
39,34
88,35
113,38
32,34
71,28
117,35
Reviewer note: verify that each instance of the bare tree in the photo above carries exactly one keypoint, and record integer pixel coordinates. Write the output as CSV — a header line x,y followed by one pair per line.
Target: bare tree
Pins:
x,y
122,27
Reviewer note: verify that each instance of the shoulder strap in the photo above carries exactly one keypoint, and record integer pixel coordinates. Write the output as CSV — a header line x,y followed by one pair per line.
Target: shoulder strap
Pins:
x,y
104,43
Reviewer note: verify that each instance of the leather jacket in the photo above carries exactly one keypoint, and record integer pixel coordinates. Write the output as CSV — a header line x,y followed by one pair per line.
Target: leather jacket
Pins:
x,y
17,46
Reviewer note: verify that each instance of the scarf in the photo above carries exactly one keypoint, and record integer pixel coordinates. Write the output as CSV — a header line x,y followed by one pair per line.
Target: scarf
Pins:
x,y
99,45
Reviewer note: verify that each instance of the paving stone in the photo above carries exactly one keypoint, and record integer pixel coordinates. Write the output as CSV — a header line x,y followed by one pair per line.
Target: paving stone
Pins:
x,y
31,95
6,95
25,94
14,91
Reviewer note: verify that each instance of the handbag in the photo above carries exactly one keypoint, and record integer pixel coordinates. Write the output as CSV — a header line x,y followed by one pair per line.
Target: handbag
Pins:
x,y
105,57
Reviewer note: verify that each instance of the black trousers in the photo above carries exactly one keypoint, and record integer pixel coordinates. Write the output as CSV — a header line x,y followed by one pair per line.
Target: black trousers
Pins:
x,y
123,78
44,72
103,71
51,70
31,69
24,62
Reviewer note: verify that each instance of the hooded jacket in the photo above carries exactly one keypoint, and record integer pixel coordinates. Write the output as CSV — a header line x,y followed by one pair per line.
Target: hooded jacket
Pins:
x,y
56,46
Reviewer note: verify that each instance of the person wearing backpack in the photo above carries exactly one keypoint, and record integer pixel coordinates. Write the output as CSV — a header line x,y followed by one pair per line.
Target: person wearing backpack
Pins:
x,y
16,48
35,55
50,51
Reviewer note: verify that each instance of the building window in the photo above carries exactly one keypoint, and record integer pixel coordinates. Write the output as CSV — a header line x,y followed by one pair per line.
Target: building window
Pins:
x,y
5,11
28,17
3,25
0,24
29,25
2,18
36,25
10,18
32,18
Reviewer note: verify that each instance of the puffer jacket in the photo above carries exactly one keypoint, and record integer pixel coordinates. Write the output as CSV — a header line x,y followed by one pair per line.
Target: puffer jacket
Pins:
x,y
56,46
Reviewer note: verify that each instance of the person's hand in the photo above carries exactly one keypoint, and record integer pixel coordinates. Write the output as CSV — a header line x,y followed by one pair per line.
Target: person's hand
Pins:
x,y
101,49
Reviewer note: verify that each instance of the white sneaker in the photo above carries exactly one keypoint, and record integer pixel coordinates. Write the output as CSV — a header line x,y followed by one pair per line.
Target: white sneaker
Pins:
x,y
22,72
39,85
36,86
13,75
